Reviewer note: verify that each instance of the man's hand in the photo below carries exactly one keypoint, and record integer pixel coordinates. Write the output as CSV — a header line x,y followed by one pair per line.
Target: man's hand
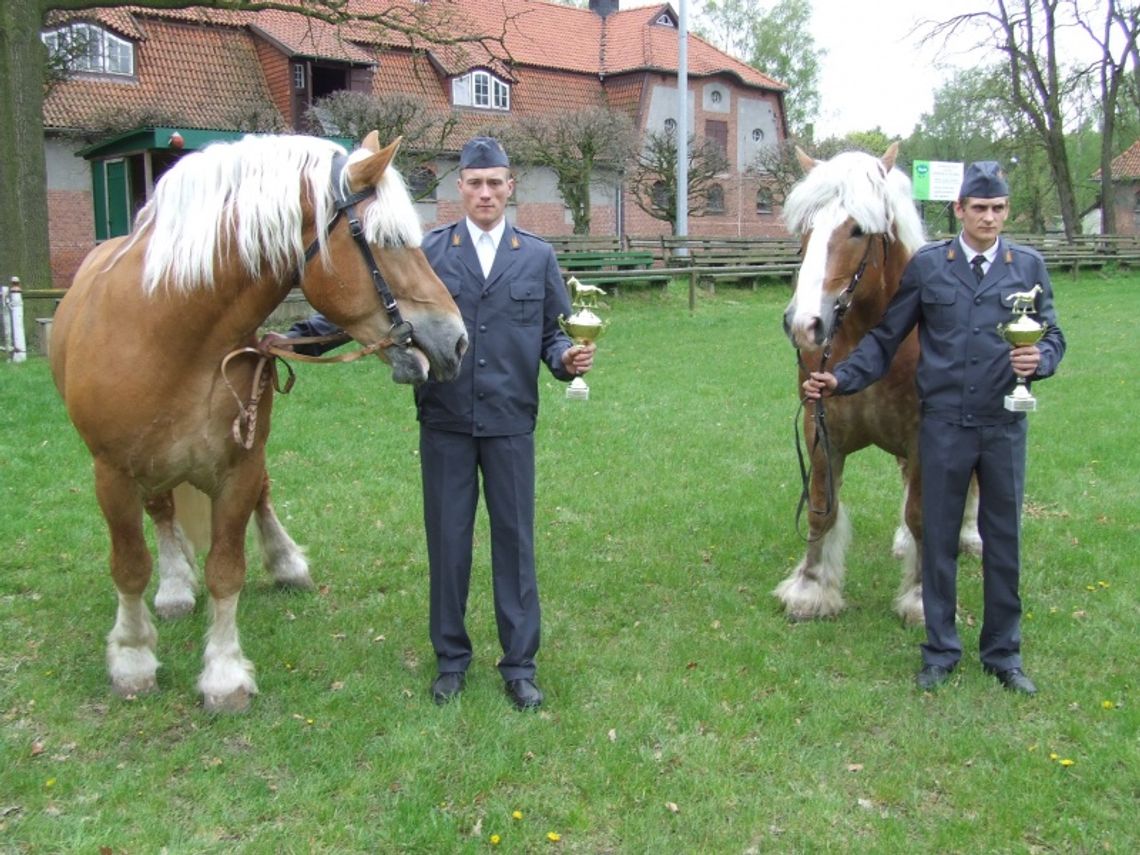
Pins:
x,y
818,384
1025,360
579,359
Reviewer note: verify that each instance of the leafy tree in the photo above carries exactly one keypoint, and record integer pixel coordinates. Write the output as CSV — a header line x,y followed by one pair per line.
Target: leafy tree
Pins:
x,y
426,134
1025,33
24,65
1116,38
573,145
654,178
778,42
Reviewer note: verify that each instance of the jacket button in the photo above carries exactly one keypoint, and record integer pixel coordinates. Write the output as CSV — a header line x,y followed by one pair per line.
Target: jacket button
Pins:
x,y
482,363
482,327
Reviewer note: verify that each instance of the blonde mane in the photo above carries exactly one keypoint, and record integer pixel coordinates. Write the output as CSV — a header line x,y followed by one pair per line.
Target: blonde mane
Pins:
x,y
856,183
245,197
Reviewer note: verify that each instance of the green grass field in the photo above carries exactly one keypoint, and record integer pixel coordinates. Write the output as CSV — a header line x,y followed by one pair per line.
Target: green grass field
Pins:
x,y
683,714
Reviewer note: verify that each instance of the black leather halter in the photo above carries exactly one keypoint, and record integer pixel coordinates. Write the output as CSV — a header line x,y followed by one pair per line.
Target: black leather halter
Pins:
x,y
345,204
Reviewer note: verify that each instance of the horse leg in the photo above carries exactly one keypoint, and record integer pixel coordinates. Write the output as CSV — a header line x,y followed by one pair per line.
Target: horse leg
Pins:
x,y
815,588
284,559
131,644
908,602
226,681
970,539
903,541
177,563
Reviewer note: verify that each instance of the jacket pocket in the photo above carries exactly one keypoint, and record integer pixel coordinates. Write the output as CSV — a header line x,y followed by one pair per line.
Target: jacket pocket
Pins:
x,y
938,308
526,300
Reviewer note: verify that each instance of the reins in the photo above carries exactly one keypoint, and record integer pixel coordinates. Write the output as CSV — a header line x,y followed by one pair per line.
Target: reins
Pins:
x,y
274,349
822,439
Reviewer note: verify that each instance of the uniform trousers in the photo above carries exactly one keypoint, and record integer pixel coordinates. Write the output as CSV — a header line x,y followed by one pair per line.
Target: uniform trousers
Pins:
x,y
950,454
450,465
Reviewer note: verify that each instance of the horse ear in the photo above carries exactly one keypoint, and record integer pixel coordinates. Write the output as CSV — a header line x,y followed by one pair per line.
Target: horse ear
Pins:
x,y
889,158
367,172
806,162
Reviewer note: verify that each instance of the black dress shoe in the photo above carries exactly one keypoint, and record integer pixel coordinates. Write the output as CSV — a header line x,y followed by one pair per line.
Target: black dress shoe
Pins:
x,y
1014,679
524,694
447,686
932,676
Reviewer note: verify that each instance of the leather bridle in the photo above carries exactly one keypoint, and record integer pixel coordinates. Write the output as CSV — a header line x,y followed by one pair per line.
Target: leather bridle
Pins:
x,y
273,348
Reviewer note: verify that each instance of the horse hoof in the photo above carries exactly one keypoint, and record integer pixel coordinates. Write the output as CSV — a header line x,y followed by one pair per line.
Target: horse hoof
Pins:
x,y
133,688
237,701
172,609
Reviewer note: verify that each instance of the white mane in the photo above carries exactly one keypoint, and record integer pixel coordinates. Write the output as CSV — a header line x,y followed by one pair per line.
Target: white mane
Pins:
x,y
246,197
857,184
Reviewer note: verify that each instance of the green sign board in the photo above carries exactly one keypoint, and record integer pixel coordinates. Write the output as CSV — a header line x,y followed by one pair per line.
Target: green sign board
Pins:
x,y
936,180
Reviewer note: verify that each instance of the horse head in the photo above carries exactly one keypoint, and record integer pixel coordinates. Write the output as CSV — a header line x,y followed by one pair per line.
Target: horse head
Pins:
x,y
858,227
401,308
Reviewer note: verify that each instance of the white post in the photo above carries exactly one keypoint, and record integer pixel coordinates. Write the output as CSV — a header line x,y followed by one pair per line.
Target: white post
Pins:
x,y
14,306
682,229
5,321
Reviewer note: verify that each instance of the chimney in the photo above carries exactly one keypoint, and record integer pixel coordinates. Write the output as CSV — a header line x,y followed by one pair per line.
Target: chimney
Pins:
x,y
603,7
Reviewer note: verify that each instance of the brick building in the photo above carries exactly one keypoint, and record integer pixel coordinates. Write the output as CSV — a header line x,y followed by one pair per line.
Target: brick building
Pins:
x,y
193,76
1123,190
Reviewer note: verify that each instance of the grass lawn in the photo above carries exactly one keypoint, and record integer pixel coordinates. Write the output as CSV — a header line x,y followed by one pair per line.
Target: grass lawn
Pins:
x,y
684,713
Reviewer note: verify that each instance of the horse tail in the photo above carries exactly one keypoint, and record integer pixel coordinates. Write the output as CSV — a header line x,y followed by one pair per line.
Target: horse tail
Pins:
x,y
192,509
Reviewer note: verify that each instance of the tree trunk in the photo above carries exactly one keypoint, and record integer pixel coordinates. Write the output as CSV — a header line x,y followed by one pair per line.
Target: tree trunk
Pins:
x,y
24,247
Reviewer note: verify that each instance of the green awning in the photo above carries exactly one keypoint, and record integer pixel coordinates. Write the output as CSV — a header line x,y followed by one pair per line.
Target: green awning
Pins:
x,y
150,139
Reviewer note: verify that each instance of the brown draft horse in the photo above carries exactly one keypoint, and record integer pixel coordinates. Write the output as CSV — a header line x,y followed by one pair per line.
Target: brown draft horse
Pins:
x,y
139,341
859,229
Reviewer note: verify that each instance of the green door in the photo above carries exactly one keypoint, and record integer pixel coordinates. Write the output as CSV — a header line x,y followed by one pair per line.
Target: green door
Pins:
x,y
110,193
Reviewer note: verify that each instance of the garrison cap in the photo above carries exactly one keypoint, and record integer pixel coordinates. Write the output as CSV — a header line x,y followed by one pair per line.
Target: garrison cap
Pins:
x,y
984,179
483,153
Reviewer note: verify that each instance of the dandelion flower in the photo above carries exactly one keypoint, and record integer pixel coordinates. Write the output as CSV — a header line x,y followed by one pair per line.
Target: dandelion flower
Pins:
x,y
1108,705
517,815
496,840
1067,762
553,836
1053,755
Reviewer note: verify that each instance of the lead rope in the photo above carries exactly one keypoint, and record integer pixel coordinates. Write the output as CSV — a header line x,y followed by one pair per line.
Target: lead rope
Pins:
x,y
271,351
819,414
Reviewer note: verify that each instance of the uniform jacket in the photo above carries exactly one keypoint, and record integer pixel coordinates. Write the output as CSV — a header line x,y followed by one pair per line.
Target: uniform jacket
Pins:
x,y
512,327
964,371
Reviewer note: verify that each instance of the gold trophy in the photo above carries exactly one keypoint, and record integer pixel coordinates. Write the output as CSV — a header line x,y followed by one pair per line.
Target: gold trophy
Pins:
x,y
584,327
1020,332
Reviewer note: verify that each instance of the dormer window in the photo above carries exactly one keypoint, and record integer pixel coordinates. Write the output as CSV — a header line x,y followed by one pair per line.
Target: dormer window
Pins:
x,y
665,20
481,89
90,48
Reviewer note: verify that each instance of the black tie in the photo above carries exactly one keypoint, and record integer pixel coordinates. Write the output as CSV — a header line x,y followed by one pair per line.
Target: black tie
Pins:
x,y
976,263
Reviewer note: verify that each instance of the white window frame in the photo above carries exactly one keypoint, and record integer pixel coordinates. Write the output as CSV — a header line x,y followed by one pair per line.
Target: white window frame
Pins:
x,y
105,52
481,89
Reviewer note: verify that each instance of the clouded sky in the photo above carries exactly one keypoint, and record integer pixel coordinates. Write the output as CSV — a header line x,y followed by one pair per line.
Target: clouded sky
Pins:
x,y
874,72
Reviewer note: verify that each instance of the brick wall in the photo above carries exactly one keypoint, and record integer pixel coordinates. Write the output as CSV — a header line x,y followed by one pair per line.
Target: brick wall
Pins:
x,y
72,228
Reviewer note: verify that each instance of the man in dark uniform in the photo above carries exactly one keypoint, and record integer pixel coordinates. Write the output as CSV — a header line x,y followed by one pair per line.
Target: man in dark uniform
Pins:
x,y
958,291
509,289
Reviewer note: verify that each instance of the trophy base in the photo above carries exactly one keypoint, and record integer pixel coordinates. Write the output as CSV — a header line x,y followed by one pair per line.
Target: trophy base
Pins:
x,y
1020,403
578,390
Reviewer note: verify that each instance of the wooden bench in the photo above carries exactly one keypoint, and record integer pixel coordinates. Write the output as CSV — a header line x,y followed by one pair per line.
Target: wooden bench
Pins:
x,y
585,243
595,261
614,280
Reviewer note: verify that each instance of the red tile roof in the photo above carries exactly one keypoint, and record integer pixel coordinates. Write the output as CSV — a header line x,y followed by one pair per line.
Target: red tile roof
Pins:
x,y
200,64
1127,163
186,74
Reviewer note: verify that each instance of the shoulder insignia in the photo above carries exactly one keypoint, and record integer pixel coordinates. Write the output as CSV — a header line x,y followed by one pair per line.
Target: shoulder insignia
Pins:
x,y
456,240
1009,256
950,254
515,242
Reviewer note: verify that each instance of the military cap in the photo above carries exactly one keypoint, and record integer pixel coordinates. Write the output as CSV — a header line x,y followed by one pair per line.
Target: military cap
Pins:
x,y
984,179
483,153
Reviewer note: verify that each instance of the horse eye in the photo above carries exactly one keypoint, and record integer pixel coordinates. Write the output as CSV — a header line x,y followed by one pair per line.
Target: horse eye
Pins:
x,y
856,232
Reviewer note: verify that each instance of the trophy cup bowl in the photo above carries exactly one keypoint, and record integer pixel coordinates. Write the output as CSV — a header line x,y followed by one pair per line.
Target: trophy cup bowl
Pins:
x,y
584,327
1022,331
